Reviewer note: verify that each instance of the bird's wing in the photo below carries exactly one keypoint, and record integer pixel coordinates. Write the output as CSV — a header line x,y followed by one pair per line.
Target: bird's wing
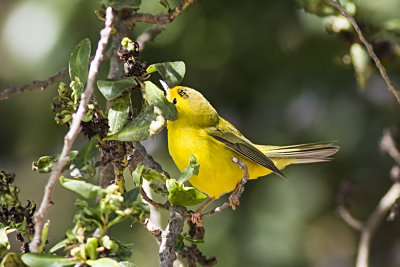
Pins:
x,y
225,133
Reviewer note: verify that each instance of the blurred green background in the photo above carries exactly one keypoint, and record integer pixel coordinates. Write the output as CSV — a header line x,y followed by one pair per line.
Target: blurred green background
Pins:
x,y
266,66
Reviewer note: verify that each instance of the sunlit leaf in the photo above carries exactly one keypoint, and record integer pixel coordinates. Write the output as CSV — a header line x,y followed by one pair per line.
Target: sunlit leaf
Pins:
x,y
46,260
183,196
171,72
86,190
118,113
91,247
137,129
153,175
103,262
361,63
137,174
79,61
192,169
44,164
59,245
154,96
113,89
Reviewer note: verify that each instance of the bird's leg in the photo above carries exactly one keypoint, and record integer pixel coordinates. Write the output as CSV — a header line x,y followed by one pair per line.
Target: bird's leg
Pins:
x,y
235,195
196,217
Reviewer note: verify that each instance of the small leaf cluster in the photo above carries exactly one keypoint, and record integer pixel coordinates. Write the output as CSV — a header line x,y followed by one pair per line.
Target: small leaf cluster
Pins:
x,y
88,239
13,216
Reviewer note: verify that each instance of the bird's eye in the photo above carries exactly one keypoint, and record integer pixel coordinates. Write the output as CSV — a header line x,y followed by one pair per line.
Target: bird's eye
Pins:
x,y
174,101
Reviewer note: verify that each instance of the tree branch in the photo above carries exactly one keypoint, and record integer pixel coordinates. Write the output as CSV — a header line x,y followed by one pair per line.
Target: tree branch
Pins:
x,y
174,228
369,48
386,203
160,18
35,85
149,35
374,222
41,214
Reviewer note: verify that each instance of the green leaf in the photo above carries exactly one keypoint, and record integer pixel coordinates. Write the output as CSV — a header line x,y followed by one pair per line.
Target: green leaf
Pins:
x,y
44,235
137,174
12,259
118,113
46,260
126,264
86,190
152,175
361,63
131,195
136,130
120,4
91,247
165,4
4,243
155,96
183,196
192,169
83,164
59,245
103,262
113,89
79,61
44,164
171,72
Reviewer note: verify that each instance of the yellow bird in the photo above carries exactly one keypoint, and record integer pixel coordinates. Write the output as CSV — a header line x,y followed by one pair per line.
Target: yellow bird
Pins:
x,y
201,132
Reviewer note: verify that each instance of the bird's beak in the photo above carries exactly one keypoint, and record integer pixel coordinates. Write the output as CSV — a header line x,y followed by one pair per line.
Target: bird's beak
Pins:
x,y
166,88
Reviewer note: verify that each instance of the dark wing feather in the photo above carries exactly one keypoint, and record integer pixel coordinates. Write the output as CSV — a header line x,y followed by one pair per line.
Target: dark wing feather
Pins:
x,y
242,146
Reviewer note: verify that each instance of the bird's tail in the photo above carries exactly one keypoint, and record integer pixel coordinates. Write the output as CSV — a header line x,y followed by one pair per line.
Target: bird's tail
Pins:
x,y
304,153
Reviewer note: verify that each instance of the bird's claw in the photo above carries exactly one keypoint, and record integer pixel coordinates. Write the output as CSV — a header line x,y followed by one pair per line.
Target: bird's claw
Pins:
x,y
196,219
234,201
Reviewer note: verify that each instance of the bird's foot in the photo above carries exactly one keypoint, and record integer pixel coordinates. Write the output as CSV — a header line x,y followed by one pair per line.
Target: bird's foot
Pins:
x,y
197,218
234,200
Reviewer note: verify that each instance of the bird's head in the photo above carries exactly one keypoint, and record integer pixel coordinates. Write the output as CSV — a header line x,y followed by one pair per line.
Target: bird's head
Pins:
x,y
192,107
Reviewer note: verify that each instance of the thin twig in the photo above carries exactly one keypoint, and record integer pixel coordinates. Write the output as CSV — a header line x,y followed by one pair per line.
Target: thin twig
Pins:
x,y
367,45
149,35
343,198
152,202
174,228
373,223
160,18
35,85
349,219
236,194
41,214
388,144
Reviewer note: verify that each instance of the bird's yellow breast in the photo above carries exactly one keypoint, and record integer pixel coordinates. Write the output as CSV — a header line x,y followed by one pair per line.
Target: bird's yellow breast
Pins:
x,y
217,173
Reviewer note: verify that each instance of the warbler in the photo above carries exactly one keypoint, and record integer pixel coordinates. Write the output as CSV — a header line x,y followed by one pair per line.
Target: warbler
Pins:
x,y
214,142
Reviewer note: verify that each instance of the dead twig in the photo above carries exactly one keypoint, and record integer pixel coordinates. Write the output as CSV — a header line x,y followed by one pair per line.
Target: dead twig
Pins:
x,y
369,48
160,18
152,202
149,35
41,214
388,202
35,85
